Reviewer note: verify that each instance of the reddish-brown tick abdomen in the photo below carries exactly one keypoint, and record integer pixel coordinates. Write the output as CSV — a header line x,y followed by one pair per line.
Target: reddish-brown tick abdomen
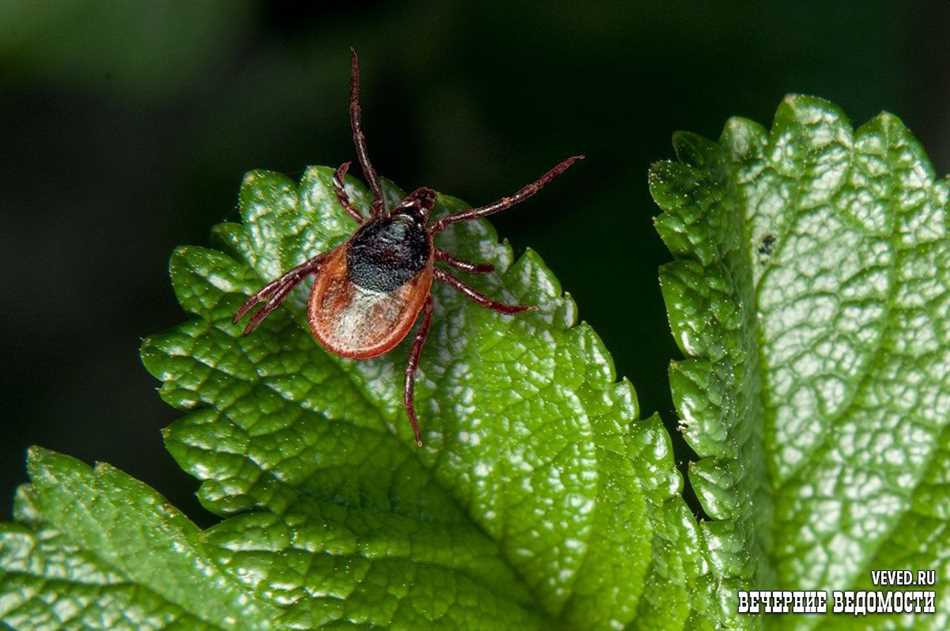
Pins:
x,y
361,323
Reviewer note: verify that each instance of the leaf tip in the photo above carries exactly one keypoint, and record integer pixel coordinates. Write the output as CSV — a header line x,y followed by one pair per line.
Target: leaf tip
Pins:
x,y
670,183
809,110
885,123
796,101
658,172
25,509
43,465
533,277
37,457
693,149
743,137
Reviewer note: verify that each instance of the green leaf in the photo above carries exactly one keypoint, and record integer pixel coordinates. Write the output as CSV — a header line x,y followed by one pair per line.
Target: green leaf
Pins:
x,y
530,459
539,498
96,549
811,295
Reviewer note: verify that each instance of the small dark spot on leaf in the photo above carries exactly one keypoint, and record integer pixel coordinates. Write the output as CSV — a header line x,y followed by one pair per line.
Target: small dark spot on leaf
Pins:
x,y
766,245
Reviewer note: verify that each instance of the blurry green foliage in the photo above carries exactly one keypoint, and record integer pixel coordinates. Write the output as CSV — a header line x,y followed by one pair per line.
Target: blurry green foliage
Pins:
x,y
131,50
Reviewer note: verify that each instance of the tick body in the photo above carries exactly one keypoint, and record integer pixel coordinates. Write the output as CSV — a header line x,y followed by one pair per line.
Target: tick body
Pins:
x,y
370,290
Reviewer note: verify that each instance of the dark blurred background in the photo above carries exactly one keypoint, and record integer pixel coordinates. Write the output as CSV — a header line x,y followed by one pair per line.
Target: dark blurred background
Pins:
x,y
127,127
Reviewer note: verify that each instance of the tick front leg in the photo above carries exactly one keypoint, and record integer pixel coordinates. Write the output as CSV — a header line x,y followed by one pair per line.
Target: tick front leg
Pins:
x,y
412,365
341,195
274,293
509,200
359,138
480,298
465,266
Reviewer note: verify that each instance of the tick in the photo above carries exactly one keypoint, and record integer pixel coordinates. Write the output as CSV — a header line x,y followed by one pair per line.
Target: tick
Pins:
x,y
371,289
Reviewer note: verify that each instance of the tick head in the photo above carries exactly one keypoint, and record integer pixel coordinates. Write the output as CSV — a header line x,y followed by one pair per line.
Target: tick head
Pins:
x,y
417,204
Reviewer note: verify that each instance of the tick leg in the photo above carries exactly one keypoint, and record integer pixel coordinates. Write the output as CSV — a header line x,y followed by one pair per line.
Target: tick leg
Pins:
x,y
412,365
341,195
480,298
506,202
274,293
359,139
465,266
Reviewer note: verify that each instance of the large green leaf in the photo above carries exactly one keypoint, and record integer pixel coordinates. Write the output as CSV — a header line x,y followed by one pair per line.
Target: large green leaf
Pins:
x,y
539,498
811,294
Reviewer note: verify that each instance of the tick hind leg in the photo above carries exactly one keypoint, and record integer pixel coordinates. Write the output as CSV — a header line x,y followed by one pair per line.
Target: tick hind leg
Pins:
x,y
274,293
480,298
412,365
